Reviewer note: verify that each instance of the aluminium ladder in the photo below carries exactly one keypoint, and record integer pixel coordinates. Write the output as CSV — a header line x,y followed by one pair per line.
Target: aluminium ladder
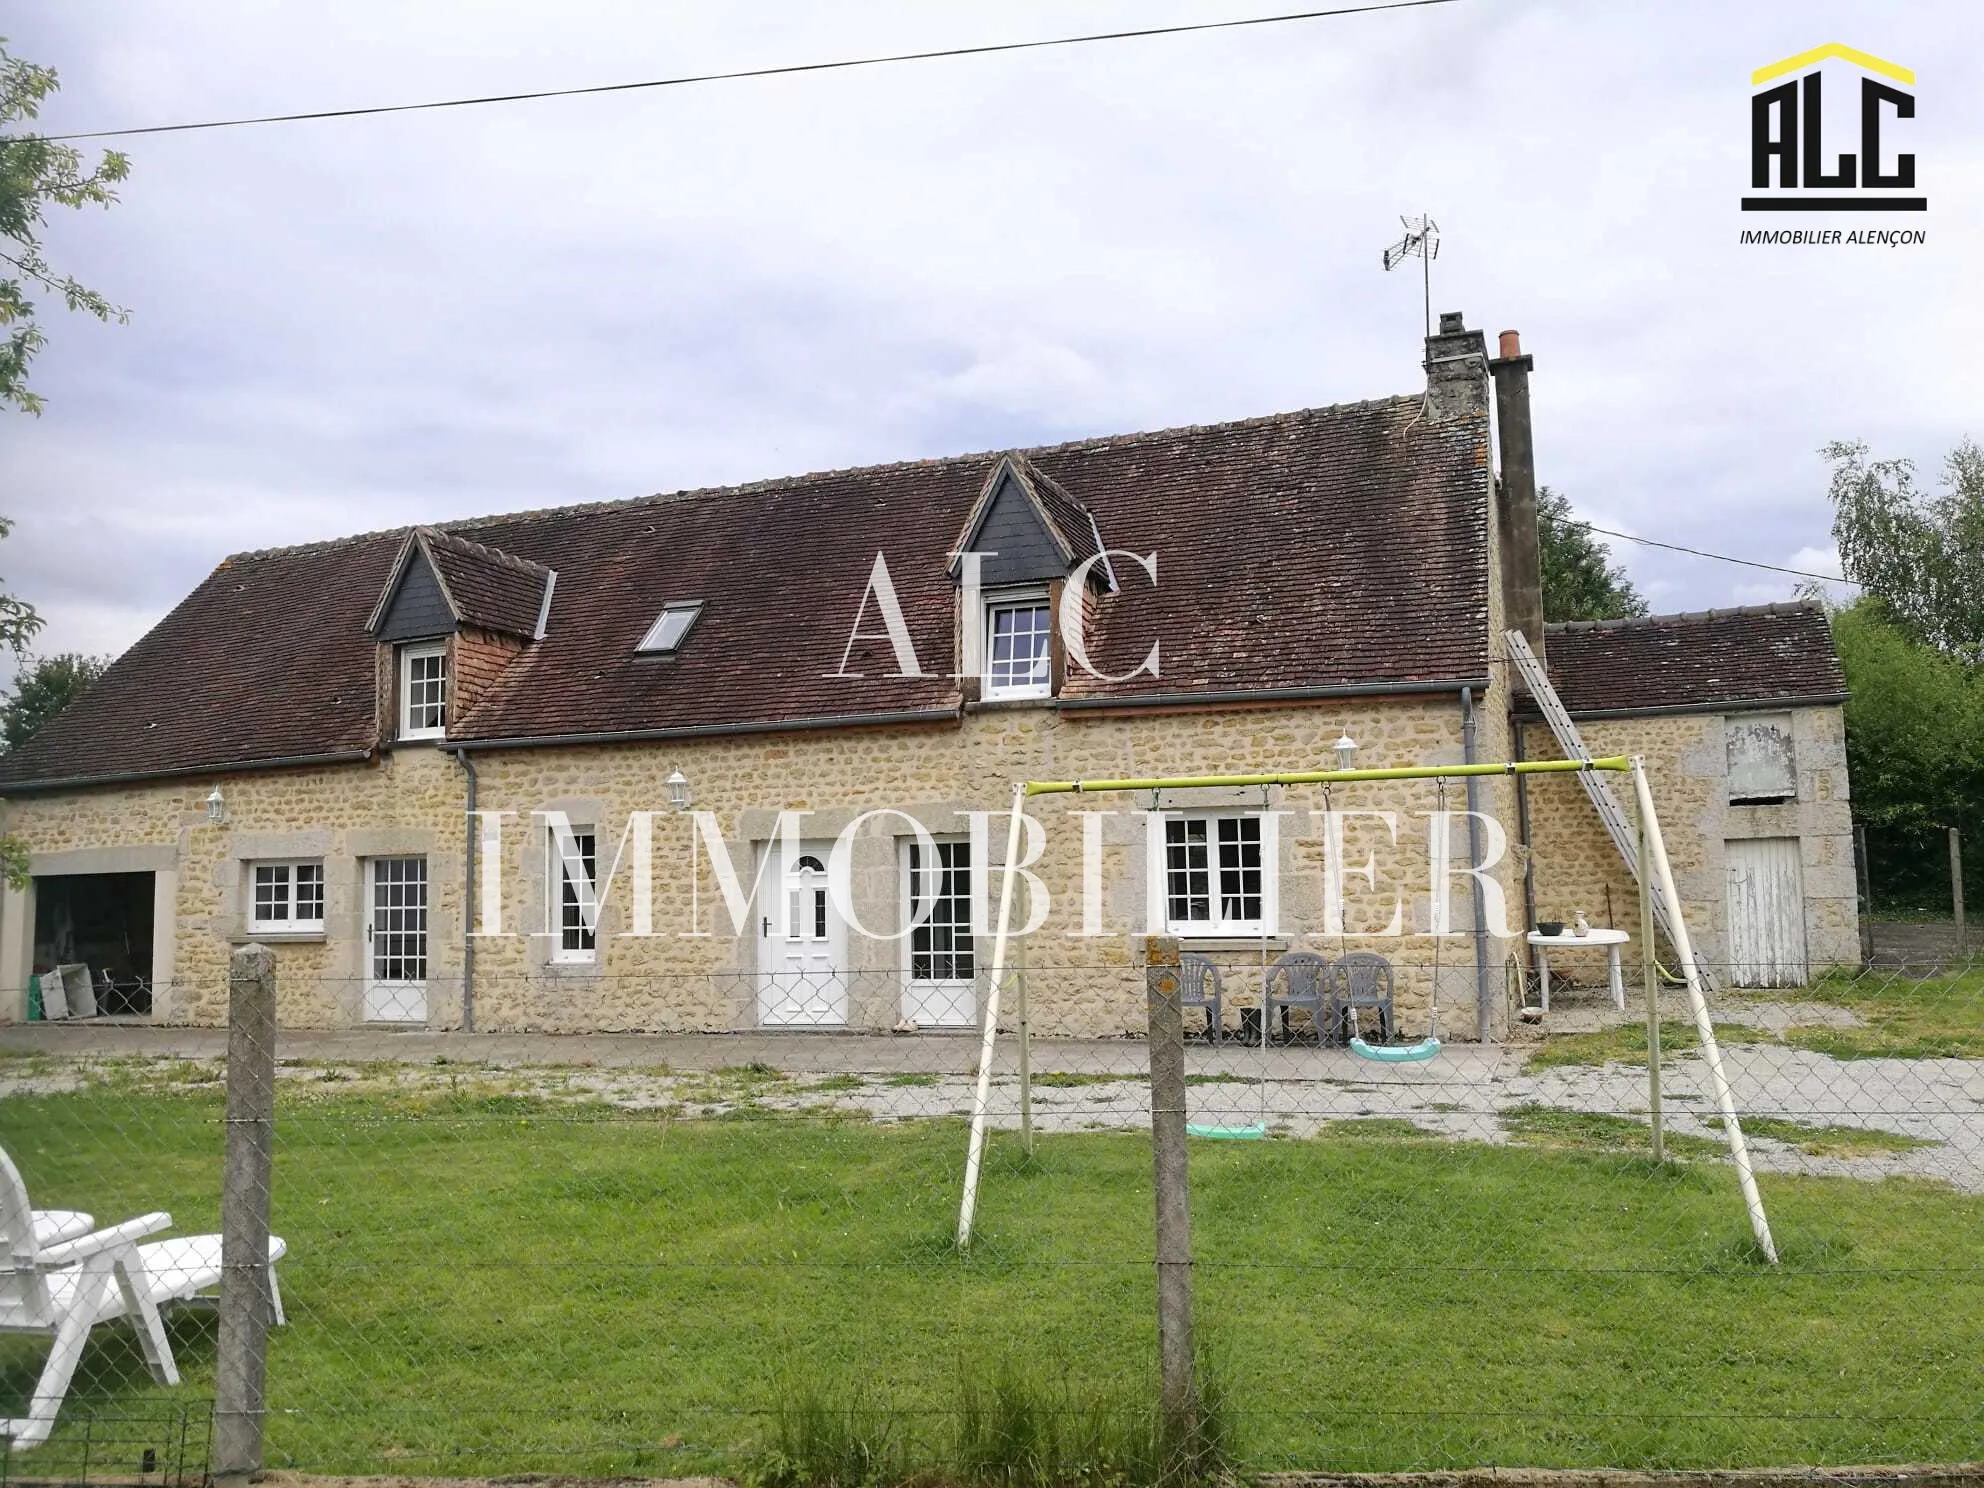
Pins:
x,y
1618,826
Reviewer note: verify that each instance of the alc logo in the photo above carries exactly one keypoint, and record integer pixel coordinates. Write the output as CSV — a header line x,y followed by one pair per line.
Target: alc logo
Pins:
x,y
1786,124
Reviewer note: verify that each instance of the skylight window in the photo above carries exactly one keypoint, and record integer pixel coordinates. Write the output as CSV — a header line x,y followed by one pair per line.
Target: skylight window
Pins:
x,y
665,636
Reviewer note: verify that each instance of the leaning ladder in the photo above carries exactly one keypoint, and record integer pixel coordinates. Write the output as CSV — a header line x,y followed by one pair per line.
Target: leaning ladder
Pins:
x,y
1617,826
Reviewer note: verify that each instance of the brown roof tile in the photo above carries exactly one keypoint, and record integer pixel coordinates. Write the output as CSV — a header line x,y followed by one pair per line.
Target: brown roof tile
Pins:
x,y
1778,653
487,588
1327,547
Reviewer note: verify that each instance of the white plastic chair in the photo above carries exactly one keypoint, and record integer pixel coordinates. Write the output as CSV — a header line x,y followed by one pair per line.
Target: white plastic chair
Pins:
x,y
59,1275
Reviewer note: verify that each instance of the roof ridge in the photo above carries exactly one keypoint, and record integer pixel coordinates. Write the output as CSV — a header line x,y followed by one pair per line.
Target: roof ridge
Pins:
x,y
454,526
470,549
1627,622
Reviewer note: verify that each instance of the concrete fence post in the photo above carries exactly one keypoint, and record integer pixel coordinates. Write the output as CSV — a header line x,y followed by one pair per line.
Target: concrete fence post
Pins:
x,y
1956,883
246,1305
1174,1217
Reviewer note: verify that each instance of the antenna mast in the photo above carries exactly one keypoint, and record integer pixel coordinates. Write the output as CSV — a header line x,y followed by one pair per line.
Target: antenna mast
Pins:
x,y
1421,241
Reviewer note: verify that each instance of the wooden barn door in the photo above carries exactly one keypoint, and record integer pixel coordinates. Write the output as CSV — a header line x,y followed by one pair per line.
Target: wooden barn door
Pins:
x,y
1766,912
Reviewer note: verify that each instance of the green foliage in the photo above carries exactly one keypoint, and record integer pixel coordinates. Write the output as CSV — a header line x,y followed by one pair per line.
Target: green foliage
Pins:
x,y
43,688
14,864
1914,749
34,175
1920,555
1579,580
19,620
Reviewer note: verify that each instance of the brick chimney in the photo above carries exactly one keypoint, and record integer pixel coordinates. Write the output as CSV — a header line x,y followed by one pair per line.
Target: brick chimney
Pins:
x,y
1515,493
1456,370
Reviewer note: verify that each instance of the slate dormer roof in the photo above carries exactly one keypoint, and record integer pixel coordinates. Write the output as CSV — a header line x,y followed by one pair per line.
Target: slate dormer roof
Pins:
x,y
1327,550
1753,655
478,585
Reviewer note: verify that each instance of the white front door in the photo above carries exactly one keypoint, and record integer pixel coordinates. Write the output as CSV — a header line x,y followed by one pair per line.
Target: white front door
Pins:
x,y
1766,912
396,940
803,963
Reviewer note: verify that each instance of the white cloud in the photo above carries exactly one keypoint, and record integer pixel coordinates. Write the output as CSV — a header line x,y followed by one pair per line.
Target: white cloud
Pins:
x,y
344,326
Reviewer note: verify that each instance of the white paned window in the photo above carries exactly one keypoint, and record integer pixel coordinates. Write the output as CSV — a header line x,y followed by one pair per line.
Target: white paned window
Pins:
x,y
1018,660
423,691
578,910
287,896
941,949
1216,877
1763,766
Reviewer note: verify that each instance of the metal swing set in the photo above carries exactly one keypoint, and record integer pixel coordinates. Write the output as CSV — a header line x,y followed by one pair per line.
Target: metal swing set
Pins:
x,y
1387,1051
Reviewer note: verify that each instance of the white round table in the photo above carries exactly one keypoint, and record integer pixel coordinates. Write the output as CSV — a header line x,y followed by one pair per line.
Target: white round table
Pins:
x,y
1610,939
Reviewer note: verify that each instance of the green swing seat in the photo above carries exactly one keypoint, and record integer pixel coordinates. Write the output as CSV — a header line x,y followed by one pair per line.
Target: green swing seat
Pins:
x,y
1426,1048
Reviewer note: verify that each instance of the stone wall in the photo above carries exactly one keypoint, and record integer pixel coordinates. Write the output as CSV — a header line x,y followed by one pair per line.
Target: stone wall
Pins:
x,y
1577,867
695,972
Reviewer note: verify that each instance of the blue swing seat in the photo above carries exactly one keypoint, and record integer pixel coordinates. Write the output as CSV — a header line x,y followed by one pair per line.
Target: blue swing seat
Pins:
x,y
1251,1133
1396,1053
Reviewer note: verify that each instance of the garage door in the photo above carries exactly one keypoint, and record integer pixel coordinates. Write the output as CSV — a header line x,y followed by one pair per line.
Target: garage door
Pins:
x,y
1766,912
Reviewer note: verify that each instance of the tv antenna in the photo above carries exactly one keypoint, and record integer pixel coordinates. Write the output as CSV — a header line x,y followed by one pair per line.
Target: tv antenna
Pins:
x,y
1421,241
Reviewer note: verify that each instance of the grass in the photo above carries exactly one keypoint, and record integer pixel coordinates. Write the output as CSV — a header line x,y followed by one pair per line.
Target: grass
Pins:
x,y
1625,1043
1832,1141
1016,1424
1901,1017
482,1283
1594,1131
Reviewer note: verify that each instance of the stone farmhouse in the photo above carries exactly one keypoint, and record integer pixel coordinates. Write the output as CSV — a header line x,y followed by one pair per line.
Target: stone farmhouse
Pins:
x,y
414,762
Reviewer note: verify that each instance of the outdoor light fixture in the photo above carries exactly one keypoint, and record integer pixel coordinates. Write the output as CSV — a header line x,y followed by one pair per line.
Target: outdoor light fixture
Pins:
x,y
678,791
1346,752
216,807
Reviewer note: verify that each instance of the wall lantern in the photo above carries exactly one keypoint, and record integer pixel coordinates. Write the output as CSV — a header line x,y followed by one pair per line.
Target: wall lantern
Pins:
x,y
1346,752
216,807
678,791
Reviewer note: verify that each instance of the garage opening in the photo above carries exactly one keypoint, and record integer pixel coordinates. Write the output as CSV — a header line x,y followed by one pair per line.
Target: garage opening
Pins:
x,y
103,922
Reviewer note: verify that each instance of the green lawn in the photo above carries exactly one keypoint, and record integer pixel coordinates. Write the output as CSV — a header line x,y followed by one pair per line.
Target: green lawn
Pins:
x,y
483,1283
1902,1017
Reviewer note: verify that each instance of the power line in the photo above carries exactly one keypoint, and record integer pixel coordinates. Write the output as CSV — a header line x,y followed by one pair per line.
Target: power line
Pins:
x,y
757,72
1652,542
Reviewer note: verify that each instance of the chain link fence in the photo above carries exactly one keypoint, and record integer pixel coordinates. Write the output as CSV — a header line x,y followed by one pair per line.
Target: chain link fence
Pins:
x,y
509,1253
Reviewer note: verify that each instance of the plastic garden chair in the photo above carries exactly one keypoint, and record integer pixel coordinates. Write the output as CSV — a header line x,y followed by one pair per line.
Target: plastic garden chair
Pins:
x,y
1198,987
65,1287
1363,979
1303,978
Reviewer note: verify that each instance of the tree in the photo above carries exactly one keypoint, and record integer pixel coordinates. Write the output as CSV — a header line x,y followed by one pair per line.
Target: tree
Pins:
x,y
1579,581
1914,750
1920,555
43,688
35,174
18,619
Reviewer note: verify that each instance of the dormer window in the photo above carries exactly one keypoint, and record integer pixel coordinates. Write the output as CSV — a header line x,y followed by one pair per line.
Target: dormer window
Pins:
x,y
1019,630
670,628
424,691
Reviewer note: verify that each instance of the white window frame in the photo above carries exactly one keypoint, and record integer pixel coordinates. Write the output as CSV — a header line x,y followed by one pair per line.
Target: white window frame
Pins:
x,y
586,953
1016,599
408,654
971,897
1217,926
291,923
655,642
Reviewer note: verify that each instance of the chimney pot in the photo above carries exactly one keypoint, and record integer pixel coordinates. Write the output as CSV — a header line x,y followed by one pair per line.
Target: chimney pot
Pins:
x,y
1451,321
1511,344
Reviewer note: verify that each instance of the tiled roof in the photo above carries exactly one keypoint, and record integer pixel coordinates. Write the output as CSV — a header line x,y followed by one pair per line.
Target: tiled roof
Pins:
x,y
1322,548
266,660
488,588
1779,652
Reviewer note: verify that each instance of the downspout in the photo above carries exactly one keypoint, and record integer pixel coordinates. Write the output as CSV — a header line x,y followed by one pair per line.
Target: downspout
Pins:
x,y
468,896
1522,829
1483,986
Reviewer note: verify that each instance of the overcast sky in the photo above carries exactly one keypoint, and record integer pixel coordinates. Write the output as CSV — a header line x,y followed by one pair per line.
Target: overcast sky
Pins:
x,y
348,325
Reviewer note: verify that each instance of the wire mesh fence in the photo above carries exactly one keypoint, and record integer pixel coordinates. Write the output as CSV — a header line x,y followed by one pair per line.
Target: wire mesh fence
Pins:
x,y
659,1254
